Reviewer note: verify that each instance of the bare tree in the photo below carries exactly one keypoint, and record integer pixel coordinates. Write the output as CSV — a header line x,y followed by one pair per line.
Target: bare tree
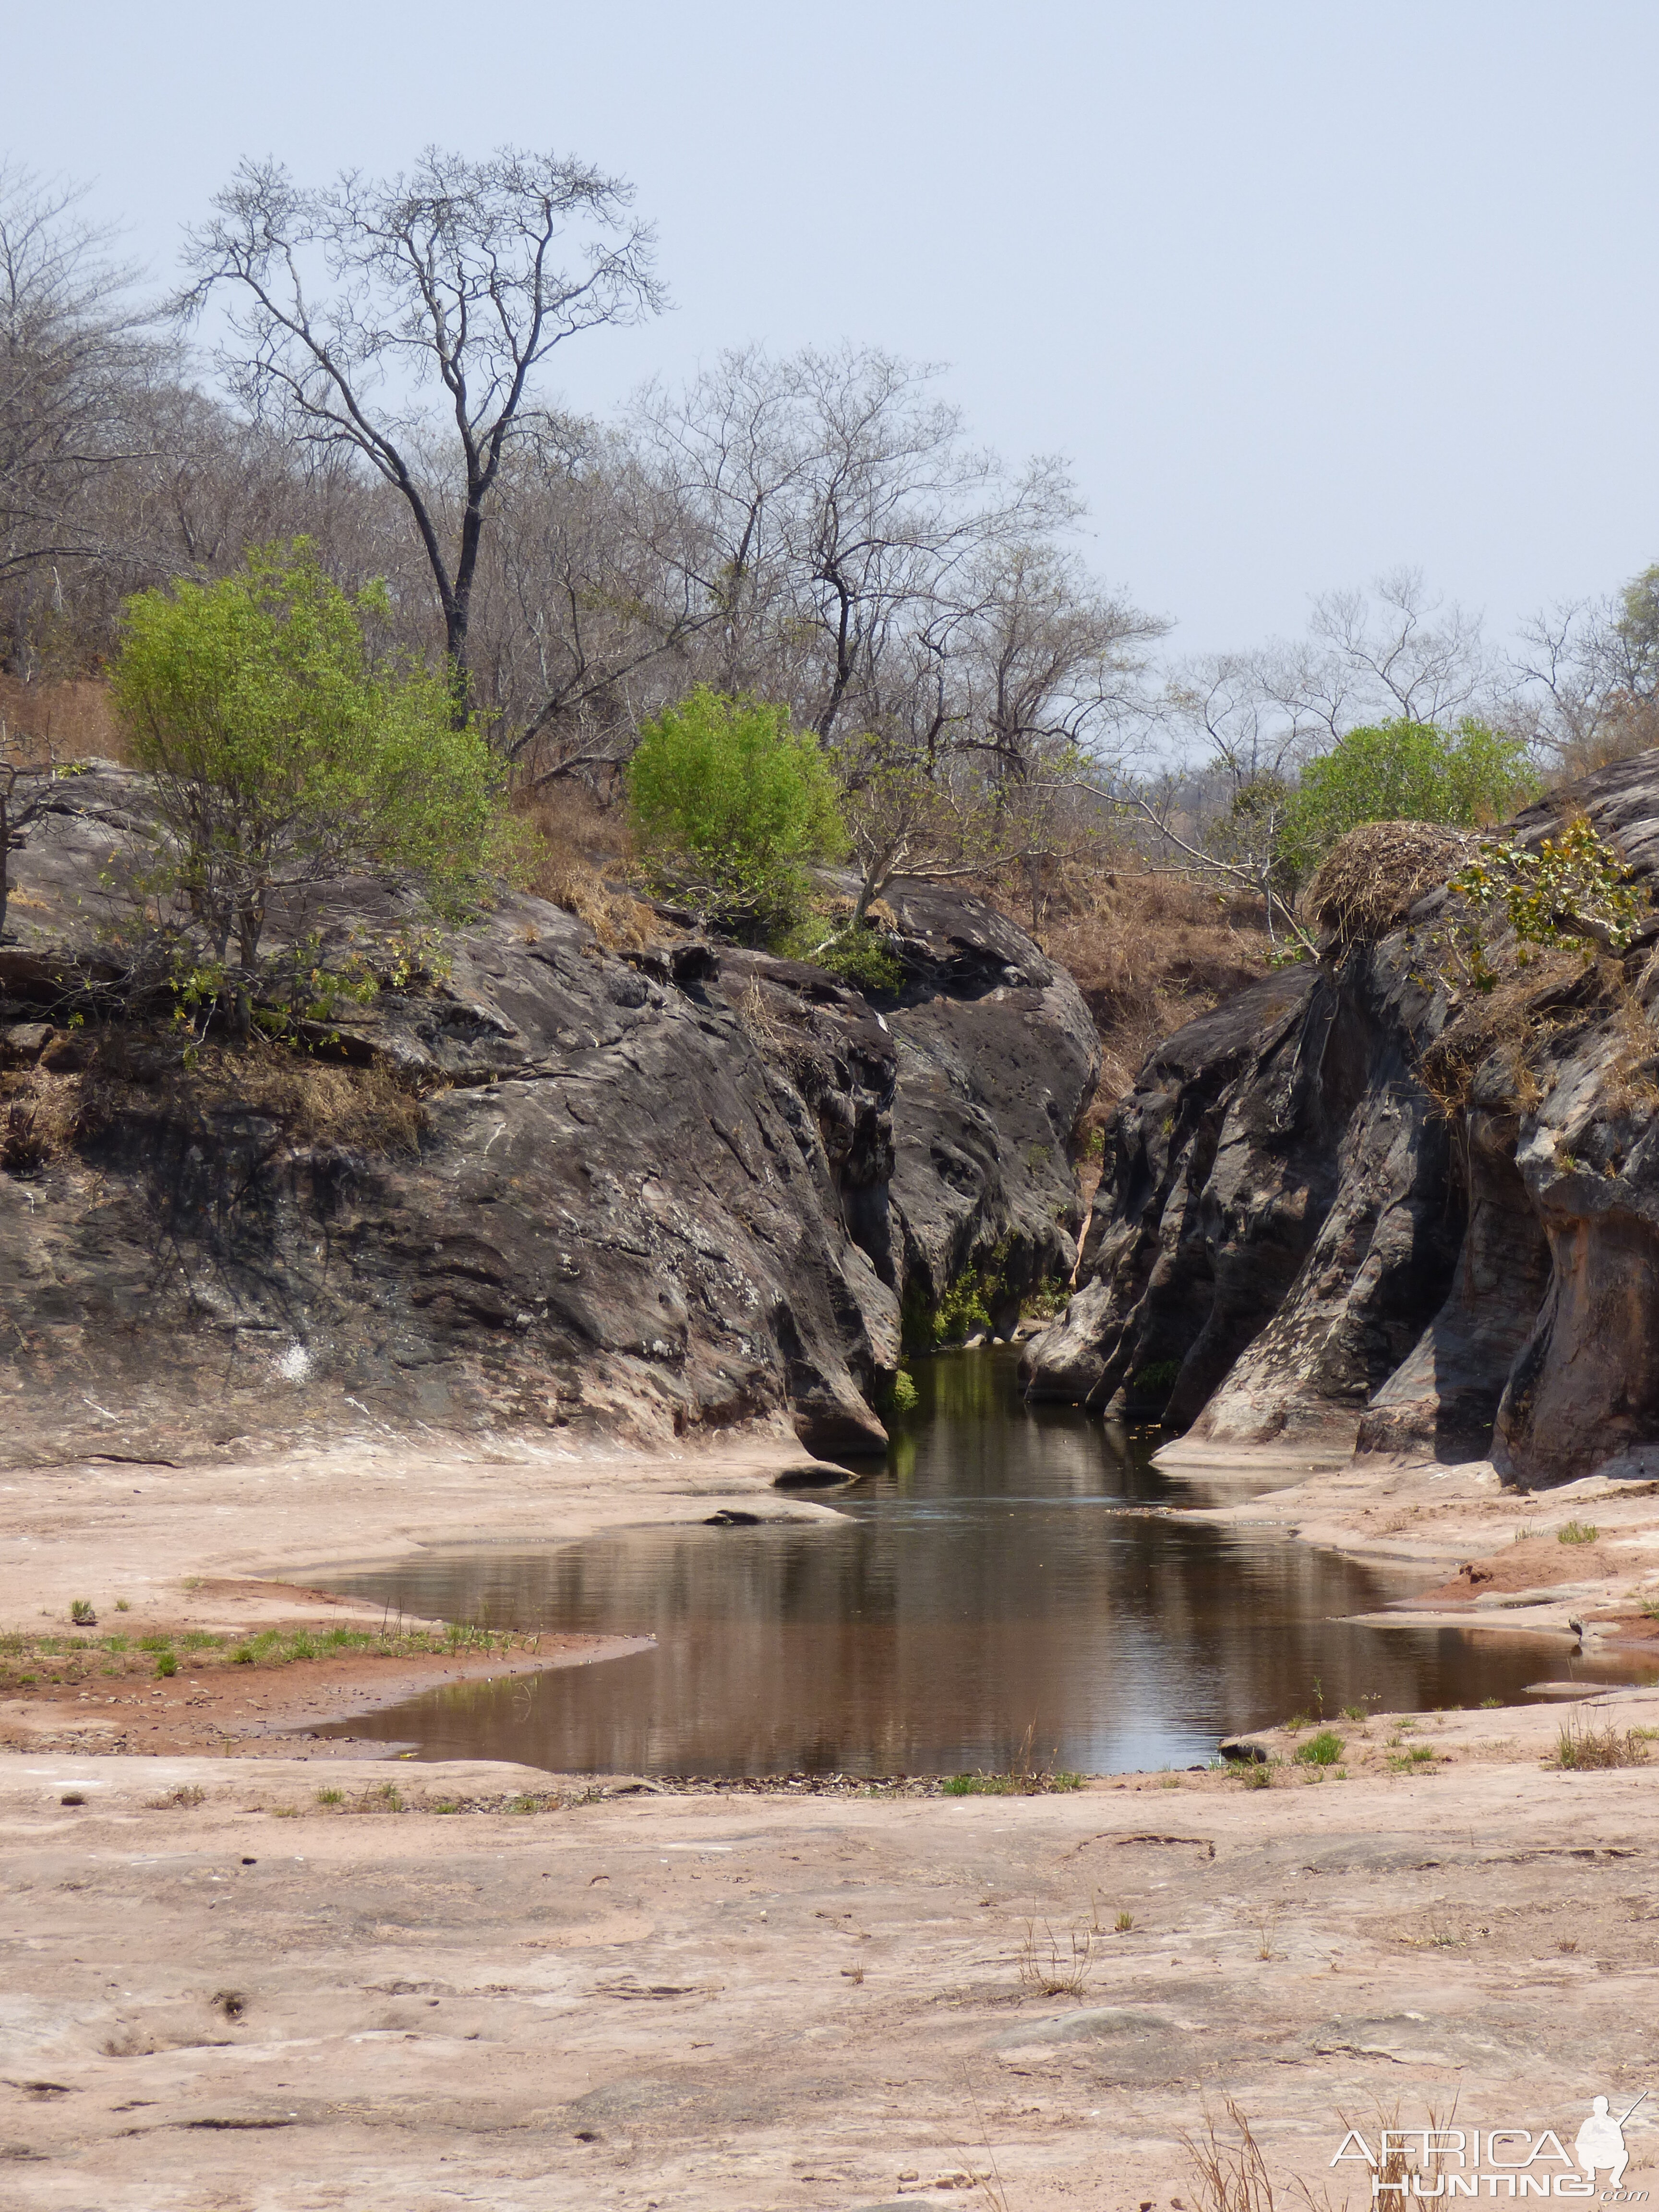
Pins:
x,y
76,364
1588,676
833,513
588,607
1395,652
439,294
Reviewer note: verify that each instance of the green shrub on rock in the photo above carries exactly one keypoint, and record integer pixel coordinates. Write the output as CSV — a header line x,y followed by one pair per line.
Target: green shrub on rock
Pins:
x,y
730,804
1403,771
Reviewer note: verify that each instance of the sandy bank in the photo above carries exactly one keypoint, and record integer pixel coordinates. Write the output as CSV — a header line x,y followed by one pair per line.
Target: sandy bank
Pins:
x,y
214,1549
1495,1556
253,2000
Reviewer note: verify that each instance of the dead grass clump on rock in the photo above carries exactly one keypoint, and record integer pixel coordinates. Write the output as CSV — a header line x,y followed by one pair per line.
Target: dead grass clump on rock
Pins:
x,y
371,1109
1228,2176
39,1116
1370,879
580,844
1049,1971
1510,1024
1581,1748
47,1113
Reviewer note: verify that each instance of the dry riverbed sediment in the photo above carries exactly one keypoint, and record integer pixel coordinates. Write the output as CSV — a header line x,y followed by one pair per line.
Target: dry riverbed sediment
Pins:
x,y
222,1991
257,1982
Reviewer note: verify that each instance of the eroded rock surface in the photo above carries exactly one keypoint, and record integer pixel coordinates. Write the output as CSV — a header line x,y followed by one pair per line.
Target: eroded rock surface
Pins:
x,y
657,1191
1328,1211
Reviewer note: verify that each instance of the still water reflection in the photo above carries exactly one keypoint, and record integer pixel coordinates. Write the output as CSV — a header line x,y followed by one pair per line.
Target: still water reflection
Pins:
x,y
1011,1566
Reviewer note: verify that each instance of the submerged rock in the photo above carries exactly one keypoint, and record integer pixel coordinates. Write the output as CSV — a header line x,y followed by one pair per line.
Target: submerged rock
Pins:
x,y
1346,1204
642,1193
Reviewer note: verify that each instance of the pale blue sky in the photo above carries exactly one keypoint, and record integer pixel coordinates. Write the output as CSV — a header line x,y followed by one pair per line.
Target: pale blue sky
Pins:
x,y
1304,290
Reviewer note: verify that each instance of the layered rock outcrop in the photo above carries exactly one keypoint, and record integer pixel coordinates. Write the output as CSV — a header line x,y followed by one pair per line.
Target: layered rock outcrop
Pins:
x,y
643,1192
1351,1203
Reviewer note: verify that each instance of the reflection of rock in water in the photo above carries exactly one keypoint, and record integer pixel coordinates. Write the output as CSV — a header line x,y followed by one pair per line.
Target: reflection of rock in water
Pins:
x,y
1007,1570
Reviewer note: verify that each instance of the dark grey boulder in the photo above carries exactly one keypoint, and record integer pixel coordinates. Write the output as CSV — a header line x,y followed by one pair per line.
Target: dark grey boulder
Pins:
x,y
657,1192
1299,1235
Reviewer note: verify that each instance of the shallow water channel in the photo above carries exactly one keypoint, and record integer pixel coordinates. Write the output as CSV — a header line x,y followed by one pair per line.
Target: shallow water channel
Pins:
x,y
1011,1567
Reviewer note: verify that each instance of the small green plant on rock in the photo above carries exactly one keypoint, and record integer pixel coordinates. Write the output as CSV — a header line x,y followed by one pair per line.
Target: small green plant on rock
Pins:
x,y
1569,891
1576,1532
856,951
1047,1302
1321,1750
81,1614
730,804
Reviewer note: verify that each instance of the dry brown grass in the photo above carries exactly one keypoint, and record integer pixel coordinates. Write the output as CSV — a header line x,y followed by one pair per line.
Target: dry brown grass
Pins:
x,y
47,1114
1050,1969
39,1118
581,844
1582,1748
1630,728
61,722
1509,1022
1514,1025
1229,2172
1370,879
1149,952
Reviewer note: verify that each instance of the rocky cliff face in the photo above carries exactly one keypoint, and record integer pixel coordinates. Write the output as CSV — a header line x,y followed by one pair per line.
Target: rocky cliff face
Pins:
x,y
644,1193
1349,1204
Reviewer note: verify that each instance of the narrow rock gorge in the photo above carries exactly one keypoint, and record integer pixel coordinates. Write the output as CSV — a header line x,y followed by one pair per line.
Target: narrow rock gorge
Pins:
x,y
1351,1204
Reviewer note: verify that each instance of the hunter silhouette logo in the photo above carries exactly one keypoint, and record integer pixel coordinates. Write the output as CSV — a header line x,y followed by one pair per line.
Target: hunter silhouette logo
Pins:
x,y
1416,2162
1600,2142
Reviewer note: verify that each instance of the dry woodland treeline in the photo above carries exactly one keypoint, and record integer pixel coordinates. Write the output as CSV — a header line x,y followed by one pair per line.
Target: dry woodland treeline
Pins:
x,y
372,366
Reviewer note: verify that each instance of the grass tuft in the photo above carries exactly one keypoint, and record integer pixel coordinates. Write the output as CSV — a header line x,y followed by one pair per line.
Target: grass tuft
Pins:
x,y
1048,1971
1576,1532
179,1800
1321,1750
1580,1748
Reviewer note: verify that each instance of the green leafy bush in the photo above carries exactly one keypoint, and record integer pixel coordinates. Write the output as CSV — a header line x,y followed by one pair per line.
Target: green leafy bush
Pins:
x,y
729,803
962,1310
855,951
286,756
1403,771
